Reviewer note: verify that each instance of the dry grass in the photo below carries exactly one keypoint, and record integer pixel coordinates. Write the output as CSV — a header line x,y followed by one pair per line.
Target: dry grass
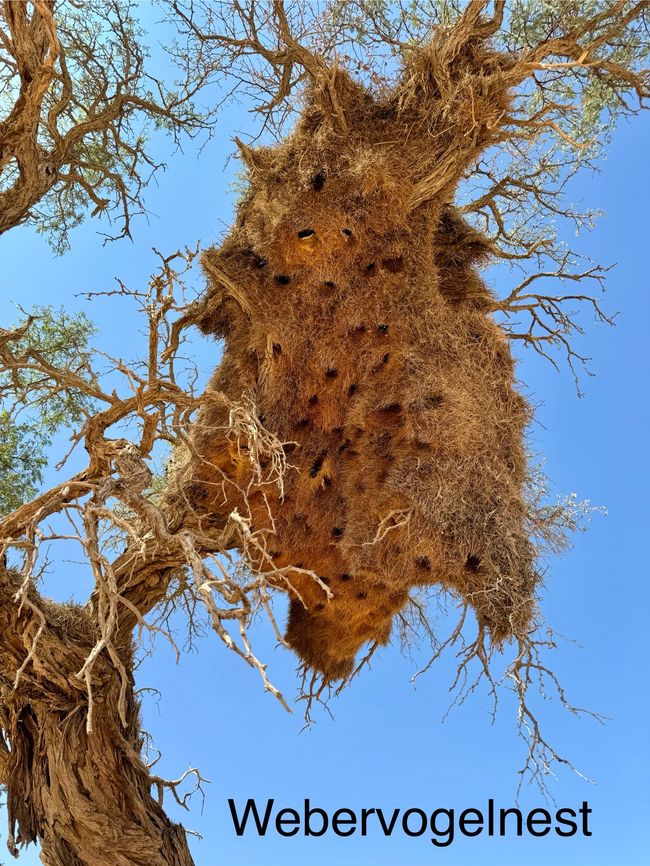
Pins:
x,y
356,323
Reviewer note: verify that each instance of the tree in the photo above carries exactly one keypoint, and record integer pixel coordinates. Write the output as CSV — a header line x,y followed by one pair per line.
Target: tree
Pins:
x,y
491,93
76,106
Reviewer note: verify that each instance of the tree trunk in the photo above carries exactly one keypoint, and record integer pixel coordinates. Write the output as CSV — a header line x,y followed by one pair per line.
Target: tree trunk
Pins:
x,y
84,795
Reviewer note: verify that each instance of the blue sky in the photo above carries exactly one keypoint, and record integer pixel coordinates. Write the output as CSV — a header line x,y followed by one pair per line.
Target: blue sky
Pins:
x,y
386,745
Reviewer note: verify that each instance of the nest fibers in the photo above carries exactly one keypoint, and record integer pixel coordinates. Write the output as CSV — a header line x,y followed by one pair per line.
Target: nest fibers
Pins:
x,y
355,322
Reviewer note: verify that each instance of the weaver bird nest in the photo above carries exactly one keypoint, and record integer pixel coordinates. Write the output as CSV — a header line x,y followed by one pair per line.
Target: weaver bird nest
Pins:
x,y
357,326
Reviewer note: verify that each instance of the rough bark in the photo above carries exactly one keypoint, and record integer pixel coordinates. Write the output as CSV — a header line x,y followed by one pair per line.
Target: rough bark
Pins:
x,y
84,795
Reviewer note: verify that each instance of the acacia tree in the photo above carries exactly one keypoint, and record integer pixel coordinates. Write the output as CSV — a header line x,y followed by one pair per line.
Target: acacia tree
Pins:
x,y
510,99
77,105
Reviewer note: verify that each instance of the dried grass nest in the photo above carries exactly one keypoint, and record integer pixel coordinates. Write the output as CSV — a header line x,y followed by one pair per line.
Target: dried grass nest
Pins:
x,y
356,324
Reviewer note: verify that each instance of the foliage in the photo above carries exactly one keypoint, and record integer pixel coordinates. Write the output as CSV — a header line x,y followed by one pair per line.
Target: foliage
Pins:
x,y
33,408
78,113
22,462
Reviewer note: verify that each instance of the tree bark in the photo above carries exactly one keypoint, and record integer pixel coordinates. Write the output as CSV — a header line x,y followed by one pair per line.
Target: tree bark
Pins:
x,y
84,795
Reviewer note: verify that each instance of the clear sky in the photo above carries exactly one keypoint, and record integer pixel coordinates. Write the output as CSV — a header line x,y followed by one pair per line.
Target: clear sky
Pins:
x,y
386,745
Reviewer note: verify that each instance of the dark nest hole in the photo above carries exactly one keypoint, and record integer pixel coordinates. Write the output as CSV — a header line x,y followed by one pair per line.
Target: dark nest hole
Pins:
x,y
317,465
393,266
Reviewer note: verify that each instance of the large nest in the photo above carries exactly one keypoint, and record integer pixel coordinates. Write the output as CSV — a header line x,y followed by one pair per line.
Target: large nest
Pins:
x,y
356,323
